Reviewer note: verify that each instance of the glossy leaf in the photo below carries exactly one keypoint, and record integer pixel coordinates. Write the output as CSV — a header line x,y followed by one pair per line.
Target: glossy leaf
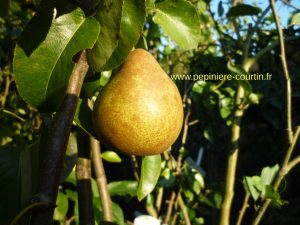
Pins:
x,y
132,23
122,188
180,21
243,10
111,156
150,171
109,15
43,55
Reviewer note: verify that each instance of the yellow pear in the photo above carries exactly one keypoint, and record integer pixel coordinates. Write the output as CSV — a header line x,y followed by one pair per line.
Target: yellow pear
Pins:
x,y
139,111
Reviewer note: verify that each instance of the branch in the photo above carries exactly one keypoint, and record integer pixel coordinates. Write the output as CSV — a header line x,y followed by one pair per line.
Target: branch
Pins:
x,y
26,210
232,159
243,209
57,144
251,31
284,170
170,207
184,210
83,177
286,73
101,180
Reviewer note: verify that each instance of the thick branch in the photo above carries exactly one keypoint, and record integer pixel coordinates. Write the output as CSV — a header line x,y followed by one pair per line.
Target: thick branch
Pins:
x,y
101,181
232,160
83,177
57,144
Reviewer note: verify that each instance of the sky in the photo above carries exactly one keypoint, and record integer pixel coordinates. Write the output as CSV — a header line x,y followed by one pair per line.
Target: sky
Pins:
x,y
283,10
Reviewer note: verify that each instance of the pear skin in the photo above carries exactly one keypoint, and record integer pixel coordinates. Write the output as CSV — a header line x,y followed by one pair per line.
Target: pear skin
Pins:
x,y
139,111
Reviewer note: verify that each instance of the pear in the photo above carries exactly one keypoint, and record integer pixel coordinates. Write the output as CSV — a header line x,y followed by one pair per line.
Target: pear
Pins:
x,y
139,111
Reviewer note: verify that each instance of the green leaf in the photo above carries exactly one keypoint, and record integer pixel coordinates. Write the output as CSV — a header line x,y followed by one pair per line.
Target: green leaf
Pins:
x,y
179,20
83,117
150,171
43,55
62,207
238,70
132,23
268,174
122,188
70,157
254,186
295,19
109,15
9,167
270,193
220,9
243,10
111,156
118,216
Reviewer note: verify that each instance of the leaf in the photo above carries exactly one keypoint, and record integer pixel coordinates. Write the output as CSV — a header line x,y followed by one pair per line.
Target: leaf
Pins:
x,y
111,156
150,171
62,207
122,188
238,70
9,167
253,185
94,83
70,157
270,193
109,15
268,174
295,19
243,10
220,9
179,20
83,117
43,55
132,23
118,216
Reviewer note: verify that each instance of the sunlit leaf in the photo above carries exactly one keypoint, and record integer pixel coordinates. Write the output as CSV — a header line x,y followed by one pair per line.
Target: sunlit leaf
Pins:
x,y
179,20
150,171
295,19
43,55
